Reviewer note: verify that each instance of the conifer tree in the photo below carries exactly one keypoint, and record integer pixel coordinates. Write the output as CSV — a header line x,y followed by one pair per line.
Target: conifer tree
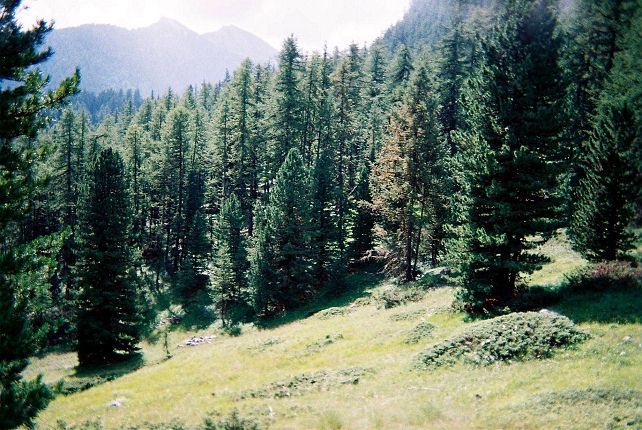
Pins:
x,y
324,237
287,110
21,114
597,33
192,281
610,185
375,103
512,192
135,141
177,134
230,287
280,273
109,322
409,180
399,73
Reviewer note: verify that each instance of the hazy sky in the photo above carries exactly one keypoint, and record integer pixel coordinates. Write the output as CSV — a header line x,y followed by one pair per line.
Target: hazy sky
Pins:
x,y
313,22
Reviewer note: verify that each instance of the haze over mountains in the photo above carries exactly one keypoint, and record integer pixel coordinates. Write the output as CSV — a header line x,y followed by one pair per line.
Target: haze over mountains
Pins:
x,y
165,54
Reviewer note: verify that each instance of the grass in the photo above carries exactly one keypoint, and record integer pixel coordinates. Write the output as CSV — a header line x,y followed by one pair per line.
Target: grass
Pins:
x,y
559,392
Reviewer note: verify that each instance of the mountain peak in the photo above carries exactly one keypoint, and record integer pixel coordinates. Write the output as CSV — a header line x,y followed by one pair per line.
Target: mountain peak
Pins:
x,y
165,22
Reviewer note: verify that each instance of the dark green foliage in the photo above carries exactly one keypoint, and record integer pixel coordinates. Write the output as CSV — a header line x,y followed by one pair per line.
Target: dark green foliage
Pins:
x,y
230,288
176,137
20,400
401,68
192,281
280,265
513,206
364,220
324,223
397,296
610,187
287,122
518,336
22,102
109,317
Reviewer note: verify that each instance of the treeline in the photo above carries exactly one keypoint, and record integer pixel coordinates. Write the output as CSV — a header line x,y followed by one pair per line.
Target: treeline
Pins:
x,y
261,192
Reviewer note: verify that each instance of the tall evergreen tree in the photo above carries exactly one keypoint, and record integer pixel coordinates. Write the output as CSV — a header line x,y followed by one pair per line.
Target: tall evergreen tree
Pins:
x,y
512,193
21,114
409,180
326,262
230,287
280,272
610,186
287,116
109,322
399,72
177,134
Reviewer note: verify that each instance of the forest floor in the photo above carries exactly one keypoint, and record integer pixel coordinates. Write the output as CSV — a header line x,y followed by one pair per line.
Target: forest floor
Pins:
x,y
347,364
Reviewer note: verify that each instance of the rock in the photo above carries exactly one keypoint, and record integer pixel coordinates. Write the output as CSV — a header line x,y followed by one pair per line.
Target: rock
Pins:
x,y
197,340
116,403
627,339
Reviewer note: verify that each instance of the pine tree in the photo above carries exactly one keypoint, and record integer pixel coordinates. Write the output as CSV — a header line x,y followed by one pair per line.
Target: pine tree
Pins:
x,y
513,206
280,272
230,288
109,308
610,186
21,114
324,228
375,103
408,180
177,134
192,280
287,110
135,142
394,198
399,73
596,34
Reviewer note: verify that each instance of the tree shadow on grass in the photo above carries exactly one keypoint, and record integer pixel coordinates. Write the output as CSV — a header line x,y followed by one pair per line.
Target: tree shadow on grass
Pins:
x,y
611,307
356,285
614,306
91,376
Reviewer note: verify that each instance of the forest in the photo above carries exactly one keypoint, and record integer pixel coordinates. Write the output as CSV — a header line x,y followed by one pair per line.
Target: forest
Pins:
x,y
244,200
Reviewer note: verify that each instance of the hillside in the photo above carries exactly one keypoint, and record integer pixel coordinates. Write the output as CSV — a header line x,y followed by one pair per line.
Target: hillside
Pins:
x,y
427,21
348,364
165,54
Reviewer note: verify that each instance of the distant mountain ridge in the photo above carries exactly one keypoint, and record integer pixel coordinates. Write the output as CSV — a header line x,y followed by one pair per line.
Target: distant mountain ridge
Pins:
x,y
165,54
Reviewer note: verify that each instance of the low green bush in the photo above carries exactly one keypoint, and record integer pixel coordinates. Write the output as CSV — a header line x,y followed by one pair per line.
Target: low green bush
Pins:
x,y
397,296
605,276
232,422
423,330
517,336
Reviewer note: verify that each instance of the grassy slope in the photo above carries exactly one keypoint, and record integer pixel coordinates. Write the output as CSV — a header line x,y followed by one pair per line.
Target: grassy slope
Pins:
x,y
207,378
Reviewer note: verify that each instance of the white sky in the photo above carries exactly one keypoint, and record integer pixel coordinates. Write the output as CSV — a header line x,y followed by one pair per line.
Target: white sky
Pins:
x,y
313,22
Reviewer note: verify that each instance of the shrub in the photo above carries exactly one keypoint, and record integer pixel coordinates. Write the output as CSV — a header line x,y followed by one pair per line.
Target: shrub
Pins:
x,y
232,422
518,336
397,296
606,276
421,331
